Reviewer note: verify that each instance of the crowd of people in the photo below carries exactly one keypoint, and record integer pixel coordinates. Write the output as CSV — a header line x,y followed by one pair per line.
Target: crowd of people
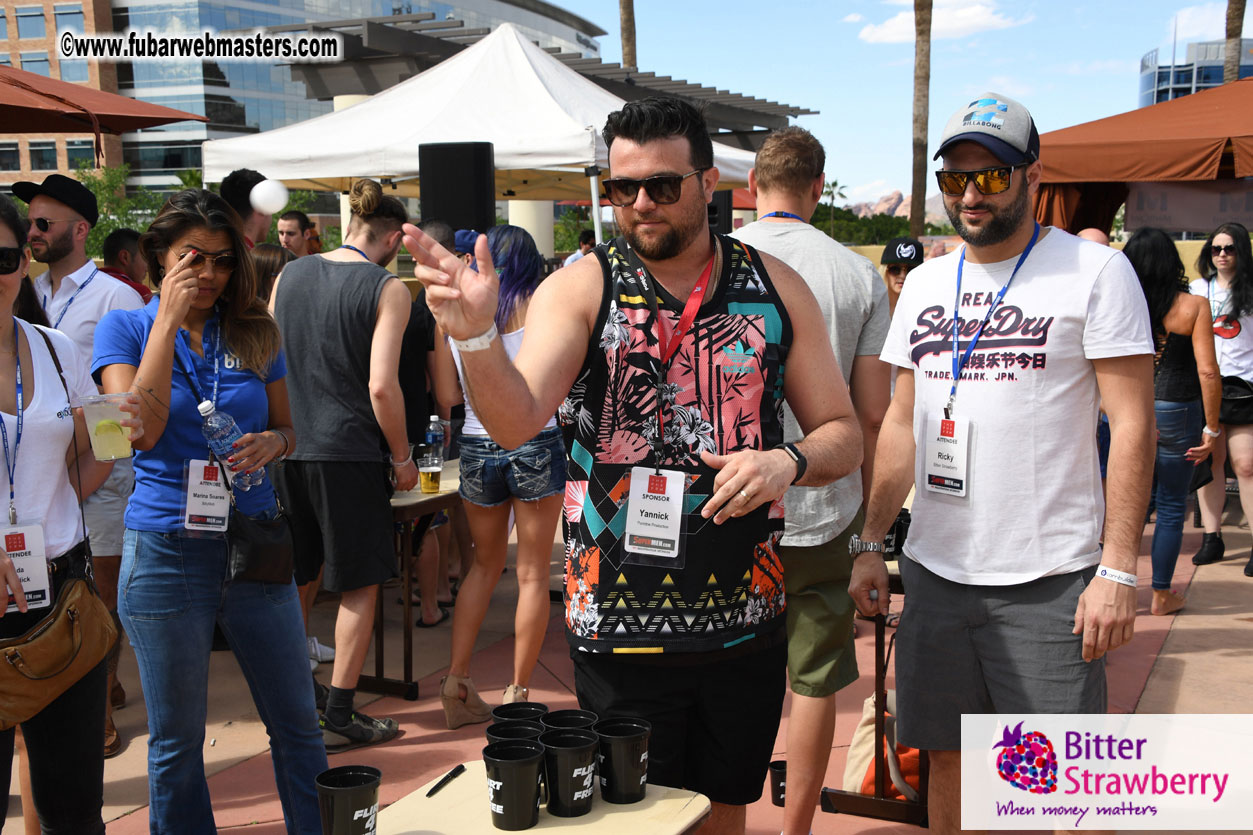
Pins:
x,y
727,426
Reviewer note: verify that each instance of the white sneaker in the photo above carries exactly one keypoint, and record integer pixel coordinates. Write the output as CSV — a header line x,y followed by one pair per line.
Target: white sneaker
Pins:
x,y
320,652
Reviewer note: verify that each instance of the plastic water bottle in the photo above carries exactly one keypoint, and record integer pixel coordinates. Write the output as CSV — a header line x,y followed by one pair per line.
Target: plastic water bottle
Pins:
x,y
435,440
221,431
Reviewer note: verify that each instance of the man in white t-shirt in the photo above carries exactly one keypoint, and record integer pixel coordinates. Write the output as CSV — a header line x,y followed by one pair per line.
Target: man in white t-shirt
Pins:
x,y
1011,604
75,295
787,183
587,242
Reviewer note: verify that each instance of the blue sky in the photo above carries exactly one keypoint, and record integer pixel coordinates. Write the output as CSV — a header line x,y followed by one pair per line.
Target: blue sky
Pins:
x,y
1068,62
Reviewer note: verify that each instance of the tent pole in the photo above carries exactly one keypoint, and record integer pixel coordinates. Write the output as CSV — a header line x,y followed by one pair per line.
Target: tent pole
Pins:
x,y
594,180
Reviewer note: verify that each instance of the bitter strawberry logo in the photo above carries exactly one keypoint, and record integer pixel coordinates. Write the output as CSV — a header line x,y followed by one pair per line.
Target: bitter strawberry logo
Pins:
x,y
14,542
657,484
948,428
1028,761
210,472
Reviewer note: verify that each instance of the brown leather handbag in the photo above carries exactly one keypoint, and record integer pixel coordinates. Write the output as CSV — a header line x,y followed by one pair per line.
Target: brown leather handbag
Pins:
x,y
66,644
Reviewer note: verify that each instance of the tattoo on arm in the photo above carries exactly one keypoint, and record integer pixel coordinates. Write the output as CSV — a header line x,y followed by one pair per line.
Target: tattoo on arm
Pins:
x,y
149,396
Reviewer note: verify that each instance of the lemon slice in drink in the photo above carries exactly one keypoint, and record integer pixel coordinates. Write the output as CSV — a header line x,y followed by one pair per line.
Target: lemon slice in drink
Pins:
x,y
109,441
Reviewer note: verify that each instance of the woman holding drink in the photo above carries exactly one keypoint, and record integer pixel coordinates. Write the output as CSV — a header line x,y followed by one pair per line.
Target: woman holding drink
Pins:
x,y
41,424
206,337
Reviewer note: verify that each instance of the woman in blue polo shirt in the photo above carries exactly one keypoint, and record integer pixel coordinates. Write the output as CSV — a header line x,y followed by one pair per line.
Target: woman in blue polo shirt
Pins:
x,y
206,337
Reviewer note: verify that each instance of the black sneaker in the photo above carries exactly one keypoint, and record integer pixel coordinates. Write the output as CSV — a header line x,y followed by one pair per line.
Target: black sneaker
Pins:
x,y
320,694
360,731
1212,550
1248,568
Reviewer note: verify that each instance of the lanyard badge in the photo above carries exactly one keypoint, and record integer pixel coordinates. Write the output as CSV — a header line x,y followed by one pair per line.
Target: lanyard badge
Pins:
x,y
57,324
10,458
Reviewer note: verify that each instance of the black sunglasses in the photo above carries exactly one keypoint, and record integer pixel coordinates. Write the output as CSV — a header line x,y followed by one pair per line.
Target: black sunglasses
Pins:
x,y
986,180
42,223
1222,249
662,189
10,258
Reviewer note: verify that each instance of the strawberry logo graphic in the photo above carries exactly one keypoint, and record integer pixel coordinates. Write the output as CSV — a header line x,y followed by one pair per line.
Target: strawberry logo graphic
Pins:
x,y
1028,761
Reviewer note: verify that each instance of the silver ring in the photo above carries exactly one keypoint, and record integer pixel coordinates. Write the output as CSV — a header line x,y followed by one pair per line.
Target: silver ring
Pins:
x,y
745,496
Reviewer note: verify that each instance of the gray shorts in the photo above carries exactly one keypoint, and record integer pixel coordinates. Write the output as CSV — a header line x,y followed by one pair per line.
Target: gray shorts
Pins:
x,y
989,649
104,510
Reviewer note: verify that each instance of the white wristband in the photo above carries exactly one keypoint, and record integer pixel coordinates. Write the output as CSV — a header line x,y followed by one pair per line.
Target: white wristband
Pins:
x,y
1117,576
1213,433
477,343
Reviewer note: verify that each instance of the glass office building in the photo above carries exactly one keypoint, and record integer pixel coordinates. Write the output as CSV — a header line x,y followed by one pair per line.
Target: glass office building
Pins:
x,y
1202,69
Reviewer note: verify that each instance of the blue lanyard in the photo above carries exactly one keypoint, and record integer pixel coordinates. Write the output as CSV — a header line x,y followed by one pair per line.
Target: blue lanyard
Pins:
x,y
354,249
960,359
784,214
1209,295
57,324
181,344
10,458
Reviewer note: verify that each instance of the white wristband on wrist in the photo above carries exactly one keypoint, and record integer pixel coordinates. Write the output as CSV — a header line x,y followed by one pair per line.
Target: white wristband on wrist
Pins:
x,y
1116,575
477,343
1213,433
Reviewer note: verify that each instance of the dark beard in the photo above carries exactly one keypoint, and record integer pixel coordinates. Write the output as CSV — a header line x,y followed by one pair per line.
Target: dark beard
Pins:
x,y
56,249
678,237
1004,223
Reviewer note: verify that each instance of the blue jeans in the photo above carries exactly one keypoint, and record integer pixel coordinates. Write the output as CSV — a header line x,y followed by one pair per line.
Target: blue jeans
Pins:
x,y
1178,430
491,474
171,590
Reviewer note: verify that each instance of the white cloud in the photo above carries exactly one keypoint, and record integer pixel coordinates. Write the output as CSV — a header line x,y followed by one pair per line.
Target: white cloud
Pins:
x,y
949,19
867,192
852,18
1204,22
1004,85
1107,67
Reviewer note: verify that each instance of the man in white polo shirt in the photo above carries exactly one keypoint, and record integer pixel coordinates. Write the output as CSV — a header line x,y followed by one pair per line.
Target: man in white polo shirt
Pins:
x,y
75,295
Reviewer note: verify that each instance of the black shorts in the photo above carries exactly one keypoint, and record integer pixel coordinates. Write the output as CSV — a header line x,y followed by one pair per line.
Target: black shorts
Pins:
x,y
714,723
341,516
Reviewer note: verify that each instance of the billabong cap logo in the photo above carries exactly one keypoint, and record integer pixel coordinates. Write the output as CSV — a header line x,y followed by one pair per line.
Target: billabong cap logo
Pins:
x,y
906,251
1028,761
986,112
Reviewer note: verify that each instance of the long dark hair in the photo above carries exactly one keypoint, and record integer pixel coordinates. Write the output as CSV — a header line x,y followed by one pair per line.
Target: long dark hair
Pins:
x,y
247,327
1156,261
26,305
1242,284
269,260
519,266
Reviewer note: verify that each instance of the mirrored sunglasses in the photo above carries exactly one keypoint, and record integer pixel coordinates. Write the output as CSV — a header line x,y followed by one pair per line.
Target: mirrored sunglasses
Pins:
x,y
986,180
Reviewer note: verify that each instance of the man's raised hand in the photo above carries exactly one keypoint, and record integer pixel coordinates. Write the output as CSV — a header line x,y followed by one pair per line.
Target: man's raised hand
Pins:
x,y
462,301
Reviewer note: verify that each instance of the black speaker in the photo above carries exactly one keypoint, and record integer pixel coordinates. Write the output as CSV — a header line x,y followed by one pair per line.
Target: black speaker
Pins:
x,y
719,212
458,184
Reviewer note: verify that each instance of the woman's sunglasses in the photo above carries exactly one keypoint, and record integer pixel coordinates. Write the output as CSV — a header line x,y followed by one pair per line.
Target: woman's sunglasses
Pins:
x,y
986,180
224,262
10,259
1222,249
663,189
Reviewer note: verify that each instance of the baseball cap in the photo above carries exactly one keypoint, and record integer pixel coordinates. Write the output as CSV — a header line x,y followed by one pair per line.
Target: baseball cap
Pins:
x,y
63,190
998,123
464,240
902,251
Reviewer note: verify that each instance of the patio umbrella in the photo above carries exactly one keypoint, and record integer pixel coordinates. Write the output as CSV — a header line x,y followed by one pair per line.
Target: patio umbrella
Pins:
x,y
32,103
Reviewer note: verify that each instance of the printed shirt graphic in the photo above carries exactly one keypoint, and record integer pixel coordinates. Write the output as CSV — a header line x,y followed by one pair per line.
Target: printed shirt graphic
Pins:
x,y
723,392
1233,341
1034,505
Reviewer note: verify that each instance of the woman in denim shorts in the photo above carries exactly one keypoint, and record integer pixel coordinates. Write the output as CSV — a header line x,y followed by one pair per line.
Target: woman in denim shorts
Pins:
x,y
529,481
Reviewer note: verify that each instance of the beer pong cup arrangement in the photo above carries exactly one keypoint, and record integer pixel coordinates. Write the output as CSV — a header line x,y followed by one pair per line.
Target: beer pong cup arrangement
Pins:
x,y
514,729
515,770
623,759
348,799
519,710
570,766
558,720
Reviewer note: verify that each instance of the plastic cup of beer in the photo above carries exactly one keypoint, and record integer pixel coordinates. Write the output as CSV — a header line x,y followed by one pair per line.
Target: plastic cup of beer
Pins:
x,y
429,468
103,415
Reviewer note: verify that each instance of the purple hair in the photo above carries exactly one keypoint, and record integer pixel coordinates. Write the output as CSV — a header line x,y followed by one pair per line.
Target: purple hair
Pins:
x,y
519,266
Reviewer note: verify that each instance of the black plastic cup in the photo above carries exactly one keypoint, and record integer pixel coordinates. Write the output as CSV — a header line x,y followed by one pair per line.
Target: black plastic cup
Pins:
x,y
560,720
778,782
514,729
623,758
348,799
515,768
519,710
570,766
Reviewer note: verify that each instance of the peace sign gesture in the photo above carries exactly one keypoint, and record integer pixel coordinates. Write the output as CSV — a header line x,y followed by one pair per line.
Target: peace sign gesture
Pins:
x,y
462,301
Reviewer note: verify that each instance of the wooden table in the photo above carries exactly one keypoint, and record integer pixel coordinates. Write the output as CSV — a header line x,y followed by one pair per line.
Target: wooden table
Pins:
x,y
460,808
413,512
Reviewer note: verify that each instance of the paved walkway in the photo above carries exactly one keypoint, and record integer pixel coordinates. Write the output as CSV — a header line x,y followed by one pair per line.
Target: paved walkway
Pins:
x,y
1200,661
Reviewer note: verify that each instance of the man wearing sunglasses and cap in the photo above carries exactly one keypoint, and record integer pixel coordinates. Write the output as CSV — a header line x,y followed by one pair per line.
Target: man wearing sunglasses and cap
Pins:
x,y
1011,602
669,346
75,295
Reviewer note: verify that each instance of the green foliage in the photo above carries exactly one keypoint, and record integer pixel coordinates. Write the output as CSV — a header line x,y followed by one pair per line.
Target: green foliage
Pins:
x,y
118,208
332,237
191,178
301,201
567,228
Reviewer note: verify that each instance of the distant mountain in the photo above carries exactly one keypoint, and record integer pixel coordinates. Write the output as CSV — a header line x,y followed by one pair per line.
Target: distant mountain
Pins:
x,y
897,205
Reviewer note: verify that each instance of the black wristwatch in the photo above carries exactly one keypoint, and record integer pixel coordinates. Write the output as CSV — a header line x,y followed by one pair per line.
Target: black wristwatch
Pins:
x,y
795,455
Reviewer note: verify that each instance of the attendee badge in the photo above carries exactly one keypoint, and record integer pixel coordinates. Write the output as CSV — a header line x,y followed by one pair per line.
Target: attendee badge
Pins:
x,y
654,524
25,546
944,467
208,504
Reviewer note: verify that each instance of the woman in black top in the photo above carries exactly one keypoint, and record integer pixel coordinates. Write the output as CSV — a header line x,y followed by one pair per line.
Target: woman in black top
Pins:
x,y
1187,394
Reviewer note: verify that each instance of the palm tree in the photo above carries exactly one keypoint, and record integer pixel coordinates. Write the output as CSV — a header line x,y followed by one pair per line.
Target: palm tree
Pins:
x,y
1235,25
835,191
922,87
626,18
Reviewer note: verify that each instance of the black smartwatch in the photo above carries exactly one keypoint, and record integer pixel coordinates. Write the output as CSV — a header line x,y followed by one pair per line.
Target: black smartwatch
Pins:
x,y
796,455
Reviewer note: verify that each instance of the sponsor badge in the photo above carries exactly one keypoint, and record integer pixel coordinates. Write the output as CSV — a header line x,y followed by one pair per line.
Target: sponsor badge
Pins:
x,y
654,513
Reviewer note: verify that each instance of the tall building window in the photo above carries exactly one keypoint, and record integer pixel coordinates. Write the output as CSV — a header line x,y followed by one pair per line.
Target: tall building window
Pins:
x,y
43,156
36,62
80,150
10,159
4,26
74,69
30,22
69,17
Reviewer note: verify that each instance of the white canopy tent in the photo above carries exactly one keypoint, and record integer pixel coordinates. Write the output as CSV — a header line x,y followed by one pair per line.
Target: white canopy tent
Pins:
x,y
542,118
